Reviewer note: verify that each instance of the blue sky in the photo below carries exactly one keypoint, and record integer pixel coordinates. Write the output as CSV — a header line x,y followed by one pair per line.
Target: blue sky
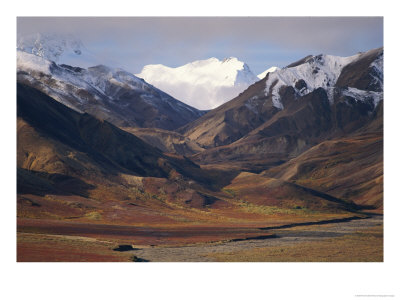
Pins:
x,y
261,42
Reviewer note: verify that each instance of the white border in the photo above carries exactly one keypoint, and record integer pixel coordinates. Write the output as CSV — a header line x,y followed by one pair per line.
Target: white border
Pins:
x,y
198,280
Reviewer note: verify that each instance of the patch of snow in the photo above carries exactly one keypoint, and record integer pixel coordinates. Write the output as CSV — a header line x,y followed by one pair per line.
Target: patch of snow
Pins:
x,y
276,102
330,91
363,96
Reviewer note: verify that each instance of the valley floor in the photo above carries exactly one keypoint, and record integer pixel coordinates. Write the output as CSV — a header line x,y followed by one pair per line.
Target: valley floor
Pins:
x,y
346,240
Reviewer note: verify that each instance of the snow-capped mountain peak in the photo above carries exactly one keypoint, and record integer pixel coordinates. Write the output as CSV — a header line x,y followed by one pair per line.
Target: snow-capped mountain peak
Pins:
x,y
203,84
62,49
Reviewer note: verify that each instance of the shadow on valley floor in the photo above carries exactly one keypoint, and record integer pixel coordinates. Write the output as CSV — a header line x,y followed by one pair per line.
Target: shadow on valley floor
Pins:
x,y
138,259
123,248
348,205
314,223
260,237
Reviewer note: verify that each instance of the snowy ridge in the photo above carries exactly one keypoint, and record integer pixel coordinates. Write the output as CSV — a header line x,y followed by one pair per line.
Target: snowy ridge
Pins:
x,y
101,81
318,71
363,96
203,84
102,76
33,64
99,77
66,82
270,70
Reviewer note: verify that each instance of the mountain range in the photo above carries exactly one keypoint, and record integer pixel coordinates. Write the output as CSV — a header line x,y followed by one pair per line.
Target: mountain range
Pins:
x,y
99,144
110,94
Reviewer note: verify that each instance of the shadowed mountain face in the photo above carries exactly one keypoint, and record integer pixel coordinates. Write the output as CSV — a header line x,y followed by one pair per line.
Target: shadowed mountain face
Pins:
x,y
54,138
102,143
166,141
